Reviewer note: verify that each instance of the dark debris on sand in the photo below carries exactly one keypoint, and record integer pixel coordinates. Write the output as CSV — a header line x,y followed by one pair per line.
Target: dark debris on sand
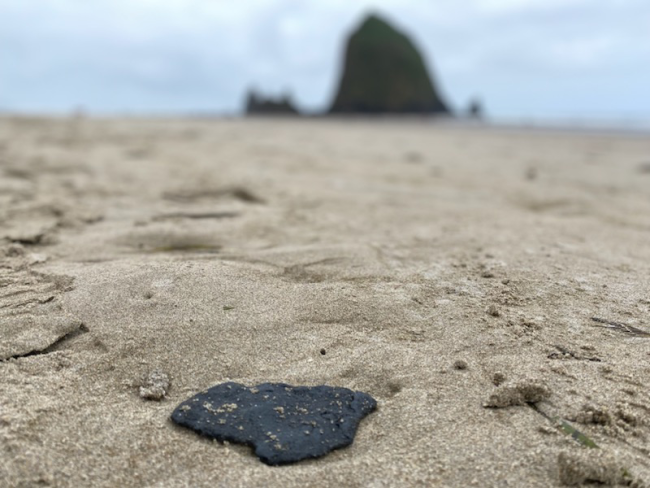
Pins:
x,y
283,423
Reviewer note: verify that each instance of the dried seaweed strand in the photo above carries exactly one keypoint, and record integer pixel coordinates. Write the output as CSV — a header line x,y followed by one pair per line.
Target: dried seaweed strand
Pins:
x,y
566,428
628,329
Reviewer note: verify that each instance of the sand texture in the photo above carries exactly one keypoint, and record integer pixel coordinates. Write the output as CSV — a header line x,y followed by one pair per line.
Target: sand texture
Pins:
x,y
453,273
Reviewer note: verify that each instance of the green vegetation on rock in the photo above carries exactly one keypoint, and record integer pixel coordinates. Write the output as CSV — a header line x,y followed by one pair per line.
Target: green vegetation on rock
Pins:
x,y
384,73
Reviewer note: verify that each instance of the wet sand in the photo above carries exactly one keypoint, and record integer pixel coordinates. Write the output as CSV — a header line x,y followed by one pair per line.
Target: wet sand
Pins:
x,y
453,273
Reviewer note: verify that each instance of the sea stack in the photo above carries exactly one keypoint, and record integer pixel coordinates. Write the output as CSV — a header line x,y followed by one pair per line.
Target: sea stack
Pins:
x,y
383,72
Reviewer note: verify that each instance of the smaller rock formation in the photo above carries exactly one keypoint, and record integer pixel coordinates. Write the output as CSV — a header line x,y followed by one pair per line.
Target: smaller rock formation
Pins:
x,y
475,109
259,105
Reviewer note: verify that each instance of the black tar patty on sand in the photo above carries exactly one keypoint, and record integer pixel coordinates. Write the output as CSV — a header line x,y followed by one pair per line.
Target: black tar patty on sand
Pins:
x,y
283,423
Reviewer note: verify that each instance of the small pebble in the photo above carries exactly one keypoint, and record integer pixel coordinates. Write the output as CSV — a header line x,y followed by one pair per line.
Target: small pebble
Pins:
x,y
155,386
460,365
493,310
498,378
519,393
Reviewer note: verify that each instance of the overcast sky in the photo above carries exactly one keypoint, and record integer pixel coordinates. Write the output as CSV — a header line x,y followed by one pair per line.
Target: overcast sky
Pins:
x,y
524,58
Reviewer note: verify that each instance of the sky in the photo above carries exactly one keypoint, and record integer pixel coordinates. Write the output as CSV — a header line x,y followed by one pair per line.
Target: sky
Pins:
x,y
522,58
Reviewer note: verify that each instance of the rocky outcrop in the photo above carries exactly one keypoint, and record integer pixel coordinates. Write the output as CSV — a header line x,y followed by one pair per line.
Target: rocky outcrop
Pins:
x,y
259,105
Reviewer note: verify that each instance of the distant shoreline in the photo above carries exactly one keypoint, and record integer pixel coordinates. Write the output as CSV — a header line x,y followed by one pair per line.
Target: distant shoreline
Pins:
x,y
609,126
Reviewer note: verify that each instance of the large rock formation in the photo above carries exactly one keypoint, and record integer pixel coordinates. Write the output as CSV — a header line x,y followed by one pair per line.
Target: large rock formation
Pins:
x,y
384,73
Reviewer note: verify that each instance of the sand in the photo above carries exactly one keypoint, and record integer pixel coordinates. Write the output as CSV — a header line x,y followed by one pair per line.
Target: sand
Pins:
x,y
451,272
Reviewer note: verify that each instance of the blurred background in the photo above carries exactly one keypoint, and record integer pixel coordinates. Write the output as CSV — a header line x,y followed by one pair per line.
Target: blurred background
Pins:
x,y
583,61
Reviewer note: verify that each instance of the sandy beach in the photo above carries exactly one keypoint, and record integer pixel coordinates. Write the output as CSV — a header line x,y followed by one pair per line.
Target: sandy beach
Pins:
x,y
453,273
